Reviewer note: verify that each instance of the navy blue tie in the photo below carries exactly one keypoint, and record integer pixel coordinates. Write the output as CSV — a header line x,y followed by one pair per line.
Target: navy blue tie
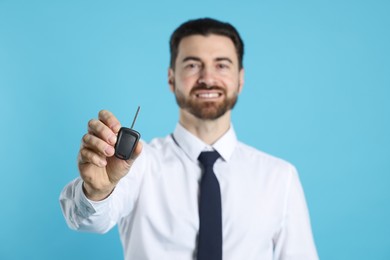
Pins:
x,y
210,213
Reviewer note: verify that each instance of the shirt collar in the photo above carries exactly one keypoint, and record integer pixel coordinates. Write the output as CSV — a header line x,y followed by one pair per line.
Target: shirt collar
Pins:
x,y
193,146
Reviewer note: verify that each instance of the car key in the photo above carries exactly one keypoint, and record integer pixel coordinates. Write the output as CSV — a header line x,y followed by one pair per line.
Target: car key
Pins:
x,y
127,140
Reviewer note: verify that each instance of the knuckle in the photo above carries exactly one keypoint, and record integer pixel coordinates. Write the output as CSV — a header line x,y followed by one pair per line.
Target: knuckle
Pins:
x,y
92,143
82,156
86,138
107,118
103,114
95,158
95,127
88,156
84,153
91,122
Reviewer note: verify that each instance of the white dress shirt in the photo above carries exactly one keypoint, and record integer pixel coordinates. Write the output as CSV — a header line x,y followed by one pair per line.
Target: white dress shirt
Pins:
x,y
264,213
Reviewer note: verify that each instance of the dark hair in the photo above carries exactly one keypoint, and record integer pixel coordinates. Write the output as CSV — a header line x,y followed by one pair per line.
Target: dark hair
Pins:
x,y
205,27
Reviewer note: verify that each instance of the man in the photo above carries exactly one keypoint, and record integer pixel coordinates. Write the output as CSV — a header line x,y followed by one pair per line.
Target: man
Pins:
x,y
160,197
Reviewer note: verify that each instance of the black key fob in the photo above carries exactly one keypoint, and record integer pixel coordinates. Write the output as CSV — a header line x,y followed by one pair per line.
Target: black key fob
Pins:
x,y
126,142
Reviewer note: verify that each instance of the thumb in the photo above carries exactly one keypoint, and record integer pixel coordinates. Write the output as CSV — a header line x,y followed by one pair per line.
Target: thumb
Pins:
x,y
137,152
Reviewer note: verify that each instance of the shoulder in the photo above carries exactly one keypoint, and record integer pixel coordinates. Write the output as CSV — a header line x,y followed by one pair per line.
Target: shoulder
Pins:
x,y
262,160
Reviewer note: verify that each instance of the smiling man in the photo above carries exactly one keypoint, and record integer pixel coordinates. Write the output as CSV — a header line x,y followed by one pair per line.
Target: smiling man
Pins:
x,y
206,78
198,193
207,68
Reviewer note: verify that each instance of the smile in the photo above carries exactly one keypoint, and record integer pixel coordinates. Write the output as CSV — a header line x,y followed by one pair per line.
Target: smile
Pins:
x,y
208,95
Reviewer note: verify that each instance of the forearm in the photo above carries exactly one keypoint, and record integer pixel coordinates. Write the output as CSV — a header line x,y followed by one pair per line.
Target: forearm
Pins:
x,y
83,214
100,216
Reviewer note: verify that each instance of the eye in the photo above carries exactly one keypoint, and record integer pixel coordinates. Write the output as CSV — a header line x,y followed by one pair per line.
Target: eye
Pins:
x,y
192,66
223,66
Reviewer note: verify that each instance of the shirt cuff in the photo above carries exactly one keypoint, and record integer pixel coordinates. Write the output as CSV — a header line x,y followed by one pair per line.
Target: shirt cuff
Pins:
x,y
86,206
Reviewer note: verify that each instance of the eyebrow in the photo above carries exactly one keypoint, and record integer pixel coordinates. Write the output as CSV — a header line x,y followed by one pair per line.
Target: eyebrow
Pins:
x,y
193,58
224,59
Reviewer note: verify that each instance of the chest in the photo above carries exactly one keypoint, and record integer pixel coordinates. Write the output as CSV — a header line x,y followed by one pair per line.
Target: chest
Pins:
x,y
168,204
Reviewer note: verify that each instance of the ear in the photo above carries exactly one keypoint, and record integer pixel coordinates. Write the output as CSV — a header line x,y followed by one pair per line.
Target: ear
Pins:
x,y
171,79
241,80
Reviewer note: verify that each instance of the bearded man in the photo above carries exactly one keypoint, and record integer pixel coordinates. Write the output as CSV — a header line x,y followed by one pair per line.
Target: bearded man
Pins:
x,y
198,193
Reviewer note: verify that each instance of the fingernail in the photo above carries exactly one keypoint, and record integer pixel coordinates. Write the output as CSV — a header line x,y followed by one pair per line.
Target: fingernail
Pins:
x,y
109,150
116,128
112,139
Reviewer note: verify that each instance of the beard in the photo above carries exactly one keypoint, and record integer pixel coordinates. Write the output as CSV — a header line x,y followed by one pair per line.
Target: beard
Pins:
x,y
207,110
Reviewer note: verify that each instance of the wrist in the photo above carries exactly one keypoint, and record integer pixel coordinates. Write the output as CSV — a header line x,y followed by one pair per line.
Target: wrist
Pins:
x,y
95,194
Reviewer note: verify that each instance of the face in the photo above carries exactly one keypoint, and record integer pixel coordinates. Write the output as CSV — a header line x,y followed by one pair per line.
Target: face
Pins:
x,y
206,79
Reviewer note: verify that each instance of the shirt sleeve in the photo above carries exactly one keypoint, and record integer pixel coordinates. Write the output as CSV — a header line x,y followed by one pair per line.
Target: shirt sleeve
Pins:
x,y
295,240
83,214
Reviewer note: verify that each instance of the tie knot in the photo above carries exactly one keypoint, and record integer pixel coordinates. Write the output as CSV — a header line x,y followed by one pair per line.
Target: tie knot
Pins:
x,y
207,159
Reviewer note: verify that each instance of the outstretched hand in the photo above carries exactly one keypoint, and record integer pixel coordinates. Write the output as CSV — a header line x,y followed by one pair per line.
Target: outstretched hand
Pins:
x,y
98,166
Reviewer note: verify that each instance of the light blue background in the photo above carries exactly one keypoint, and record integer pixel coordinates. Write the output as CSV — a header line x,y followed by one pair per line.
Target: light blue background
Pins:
x,y
316,94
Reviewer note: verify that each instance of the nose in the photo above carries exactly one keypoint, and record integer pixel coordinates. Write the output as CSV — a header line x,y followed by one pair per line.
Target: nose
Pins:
x,y
207,77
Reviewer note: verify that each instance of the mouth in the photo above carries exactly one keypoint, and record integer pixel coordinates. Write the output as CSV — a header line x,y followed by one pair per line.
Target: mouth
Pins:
x,y
208,94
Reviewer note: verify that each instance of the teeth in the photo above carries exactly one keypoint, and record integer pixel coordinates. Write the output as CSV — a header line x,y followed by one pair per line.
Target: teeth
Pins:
x,y
208,95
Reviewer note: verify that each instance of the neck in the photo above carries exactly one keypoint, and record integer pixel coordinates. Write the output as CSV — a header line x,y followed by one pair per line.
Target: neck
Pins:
x,y
209,131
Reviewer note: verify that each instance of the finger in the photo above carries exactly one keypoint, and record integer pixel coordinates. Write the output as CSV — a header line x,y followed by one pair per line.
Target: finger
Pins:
x,y
97,145
102,131
137,151
109,120
88,156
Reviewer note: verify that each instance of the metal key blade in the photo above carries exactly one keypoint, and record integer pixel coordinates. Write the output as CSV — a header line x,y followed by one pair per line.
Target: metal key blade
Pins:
x,y
135,117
